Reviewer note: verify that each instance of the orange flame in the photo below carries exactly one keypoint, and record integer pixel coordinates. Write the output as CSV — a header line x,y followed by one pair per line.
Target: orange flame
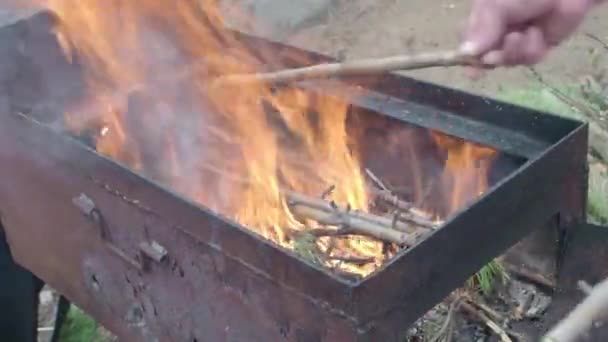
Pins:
x,y
465,174
230,156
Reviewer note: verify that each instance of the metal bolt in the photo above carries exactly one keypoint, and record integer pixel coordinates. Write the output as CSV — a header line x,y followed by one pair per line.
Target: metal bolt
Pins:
x,y
84,204
153,251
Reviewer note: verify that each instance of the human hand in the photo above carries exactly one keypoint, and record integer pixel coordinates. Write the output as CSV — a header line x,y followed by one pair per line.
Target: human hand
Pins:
x,y
521,32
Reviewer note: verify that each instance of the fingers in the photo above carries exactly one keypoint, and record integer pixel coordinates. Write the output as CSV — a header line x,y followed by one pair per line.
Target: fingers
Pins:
x,y
519,48
491,19
521,32
486,28
534,46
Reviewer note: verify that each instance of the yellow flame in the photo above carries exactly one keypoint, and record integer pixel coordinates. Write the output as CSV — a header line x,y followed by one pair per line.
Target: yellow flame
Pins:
x,y
120,46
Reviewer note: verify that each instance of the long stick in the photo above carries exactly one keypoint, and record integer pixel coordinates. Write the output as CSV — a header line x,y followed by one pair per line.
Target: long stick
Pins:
x,y
589,312
296,198
407,213
356,222
362,67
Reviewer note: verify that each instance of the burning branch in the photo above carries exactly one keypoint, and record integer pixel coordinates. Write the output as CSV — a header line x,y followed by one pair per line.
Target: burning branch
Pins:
x,y
405,210
588,313
361,67
353,222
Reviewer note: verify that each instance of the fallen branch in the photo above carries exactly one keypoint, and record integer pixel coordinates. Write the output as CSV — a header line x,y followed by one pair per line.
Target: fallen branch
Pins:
x,y
589,312
497,329
361,67
597,39
354,222
532,277
493,314
445,328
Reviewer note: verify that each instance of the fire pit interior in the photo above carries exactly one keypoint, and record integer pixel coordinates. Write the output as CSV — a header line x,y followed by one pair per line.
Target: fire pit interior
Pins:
x,y
339,185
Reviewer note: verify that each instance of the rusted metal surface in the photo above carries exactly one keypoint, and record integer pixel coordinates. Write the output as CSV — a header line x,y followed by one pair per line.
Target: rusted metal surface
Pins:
x,y
152,266
585,258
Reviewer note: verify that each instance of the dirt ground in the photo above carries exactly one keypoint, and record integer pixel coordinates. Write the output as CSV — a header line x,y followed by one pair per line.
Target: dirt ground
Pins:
x,y
368,28
373,28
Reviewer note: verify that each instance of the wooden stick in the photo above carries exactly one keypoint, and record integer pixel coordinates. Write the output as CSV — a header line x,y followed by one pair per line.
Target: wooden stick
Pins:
x,y
356,222
443,331
352,260
294,198
376,180
470,309
592,310
360,67
407,213
383,193
532,277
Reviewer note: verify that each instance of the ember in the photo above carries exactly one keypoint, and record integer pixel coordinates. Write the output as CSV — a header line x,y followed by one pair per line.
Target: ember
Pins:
x,y
283,162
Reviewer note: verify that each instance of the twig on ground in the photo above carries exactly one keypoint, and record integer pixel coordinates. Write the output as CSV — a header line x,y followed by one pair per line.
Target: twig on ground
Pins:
x,y
445,328
487,309
497,329
361,67
589,312
597,39
532,277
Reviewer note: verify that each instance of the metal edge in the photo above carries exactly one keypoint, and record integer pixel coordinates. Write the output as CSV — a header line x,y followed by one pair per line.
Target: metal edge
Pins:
x,y
376,300
545,126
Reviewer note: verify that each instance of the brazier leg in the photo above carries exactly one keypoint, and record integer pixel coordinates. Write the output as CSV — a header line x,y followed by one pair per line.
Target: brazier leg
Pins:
x,y
19,291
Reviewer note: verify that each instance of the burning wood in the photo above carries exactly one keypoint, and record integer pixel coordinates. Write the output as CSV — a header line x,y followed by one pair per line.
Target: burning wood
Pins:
x,y
281,142
351,222
406,211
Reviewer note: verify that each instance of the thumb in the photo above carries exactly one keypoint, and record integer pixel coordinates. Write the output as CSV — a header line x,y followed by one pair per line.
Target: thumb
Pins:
x,y
485,30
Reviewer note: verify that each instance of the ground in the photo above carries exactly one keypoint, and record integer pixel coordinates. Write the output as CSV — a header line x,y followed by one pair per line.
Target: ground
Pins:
x,y
373,28
368,28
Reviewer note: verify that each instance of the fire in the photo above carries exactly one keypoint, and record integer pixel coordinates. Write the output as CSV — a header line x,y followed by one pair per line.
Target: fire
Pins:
x,y
465,174
234,149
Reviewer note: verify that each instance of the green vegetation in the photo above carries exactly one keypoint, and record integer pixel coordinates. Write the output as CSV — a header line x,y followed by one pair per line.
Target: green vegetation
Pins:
x,y
78,327
486,278
540,98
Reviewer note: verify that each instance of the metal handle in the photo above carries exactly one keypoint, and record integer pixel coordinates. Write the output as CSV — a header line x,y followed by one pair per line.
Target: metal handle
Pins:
x,y
147,251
